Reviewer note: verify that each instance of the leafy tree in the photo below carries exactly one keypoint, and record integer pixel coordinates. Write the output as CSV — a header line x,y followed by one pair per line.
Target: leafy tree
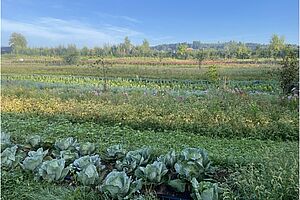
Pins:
x,y
182,51
17,41
200,55
84,51
276,46
127,45
289,72
145,48
242,51
72,55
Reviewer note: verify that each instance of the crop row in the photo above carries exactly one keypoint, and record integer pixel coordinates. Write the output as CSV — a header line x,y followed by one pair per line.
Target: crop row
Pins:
x,y
118,174
159,84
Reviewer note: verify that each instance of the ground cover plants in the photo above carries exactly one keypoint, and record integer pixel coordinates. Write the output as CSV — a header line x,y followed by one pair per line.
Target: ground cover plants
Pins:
x,y
248,129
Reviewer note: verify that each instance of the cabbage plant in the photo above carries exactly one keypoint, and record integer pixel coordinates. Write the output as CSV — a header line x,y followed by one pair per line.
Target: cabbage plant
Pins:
x,y
152,173
5,141
115,152
133,159
8,157
119,186
86,148
68,155
88,175
168,159
34,159
204,190
89,169
192,163
34,141
66,144
84,161
53,170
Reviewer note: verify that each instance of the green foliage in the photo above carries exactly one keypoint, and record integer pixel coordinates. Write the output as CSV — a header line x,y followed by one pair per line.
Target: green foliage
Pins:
x,y
204,190
212,73
153,173
5,141
86,148
289,72
53,170
88,175
115,152
276,46
66,144
34,141
71,56
134,159
68,155
193,163
119,186
178,184
17,41
85,161
168,159
34,159
182,51
8,157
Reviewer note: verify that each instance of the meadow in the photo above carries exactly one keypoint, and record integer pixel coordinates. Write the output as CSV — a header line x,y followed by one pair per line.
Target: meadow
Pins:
x,y
250,132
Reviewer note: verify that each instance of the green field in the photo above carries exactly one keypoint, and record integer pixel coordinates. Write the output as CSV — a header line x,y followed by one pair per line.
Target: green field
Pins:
x,y
252,135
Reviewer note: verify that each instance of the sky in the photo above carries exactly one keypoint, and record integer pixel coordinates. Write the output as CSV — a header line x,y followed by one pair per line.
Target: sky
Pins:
x,y
98,22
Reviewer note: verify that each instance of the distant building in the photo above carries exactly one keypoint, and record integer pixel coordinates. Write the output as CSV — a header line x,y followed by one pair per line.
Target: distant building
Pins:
x,y
189,49
5,50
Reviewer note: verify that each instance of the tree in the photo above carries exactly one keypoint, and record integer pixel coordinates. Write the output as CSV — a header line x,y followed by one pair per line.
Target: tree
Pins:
x,y
84,51
127,45
17,42
200,55
145,48
182,51
72,55
276,46
289,72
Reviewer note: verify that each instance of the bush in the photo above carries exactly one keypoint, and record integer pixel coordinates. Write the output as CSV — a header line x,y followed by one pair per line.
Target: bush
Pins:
x,y
289,72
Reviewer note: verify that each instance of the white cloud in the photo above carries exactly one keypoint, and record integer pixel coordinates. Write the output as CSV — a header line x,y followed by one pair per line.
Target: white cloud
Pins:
x,y
52,31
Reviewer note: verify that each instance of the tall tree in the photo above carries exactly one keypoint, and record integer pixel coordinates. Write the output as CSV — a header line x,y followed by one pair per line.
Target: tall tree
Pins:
x,y
145,48
182,51
17,42
276,46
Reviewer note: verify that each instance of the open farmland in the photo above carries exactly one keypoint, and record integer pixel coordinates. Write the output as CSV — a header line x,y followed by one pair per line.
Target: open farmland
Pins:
x,y
249,131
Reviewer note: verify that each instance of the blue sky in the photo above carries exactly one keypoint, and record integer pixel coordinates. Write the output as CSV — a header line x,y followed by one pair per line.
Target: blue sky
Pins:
x,y
94,23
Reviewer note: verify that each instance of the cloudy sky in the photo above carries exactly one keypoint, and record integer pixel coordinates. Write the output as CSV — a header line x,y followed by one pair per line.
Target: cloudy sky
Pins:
x,y
97,22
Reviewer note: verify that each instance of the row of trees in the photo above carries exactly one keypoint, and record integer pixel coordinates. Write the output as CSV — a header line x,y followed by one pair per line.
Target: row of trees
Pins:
x,y
231,50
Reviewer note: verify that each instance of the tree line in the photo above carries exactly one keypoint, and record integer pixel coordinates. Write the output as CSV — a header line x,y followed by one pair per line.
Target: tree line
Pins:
x,y
229,50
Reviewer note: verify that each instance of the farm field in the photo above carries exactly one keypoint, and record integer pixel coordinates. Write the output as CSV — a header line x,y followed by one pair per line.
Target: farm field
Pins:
x,y
251,133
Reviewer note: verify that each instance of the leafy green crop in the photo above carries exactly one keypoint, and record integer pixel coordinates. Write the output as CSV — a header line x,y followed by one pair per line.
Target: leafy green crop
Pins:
x,y
88,175
193,163
119,186
5,141
86,148
34,141
152,173
53,170
115,152
34,159
134,159
66,144
204,190
169,159
8,157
